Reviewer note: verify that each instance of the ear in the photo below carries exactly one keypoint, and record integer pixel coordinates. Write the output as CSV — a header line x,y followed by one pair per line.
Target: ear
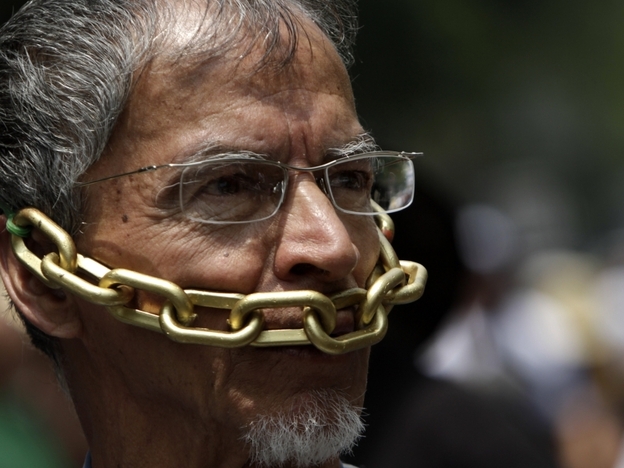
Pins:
x,y
52,311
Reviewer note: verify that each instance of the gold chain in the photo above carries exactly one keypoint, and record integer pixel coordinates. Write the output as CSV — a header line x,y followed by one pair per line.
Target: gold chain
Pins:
x,y
392,282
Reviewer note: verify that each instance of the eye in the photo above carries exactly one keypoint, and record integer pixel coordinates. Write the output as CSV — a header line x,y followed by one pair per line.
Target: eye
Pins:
x,y
231,192
231,185
350,180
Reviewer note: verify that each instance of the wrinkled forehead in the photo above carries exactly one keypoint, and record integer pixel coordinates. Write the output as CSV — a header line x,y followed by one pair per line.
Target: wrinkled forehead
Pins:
x,y
314,67
183,93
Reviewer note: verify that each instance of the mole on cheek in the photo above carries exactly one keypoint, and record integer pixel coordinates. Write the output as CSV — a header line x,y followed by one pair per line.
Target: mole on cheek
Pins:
x,y
124,218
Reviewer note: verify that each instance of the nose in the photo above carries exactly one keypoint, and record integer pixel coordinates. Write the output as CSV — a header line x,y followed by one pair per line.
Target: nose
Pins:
x,y
314,241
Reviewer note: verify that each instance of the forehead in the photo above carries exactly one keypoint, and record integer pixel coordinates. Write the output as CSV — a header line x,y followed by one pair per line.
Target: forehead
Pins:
x,y
304,106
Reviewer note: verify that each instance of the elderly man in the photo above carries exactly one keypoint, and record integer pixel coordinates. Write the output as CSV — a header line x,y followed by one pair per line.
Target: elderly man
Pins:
x,y
227,267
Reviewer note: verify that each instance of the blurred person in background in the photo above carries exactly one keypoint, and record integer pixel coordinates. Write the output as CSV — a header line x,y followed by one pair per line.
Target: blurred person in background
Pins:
x,y
542,326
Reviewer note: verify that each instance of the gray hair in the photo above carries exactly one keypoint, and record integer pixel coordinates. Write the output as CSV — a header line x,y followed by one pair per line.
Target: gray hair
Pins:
x,y
67,68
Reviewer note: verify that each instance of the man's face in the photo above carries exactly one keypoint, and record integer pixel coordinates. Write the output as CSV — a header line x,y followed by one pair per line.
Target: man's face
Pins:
x,y
294,115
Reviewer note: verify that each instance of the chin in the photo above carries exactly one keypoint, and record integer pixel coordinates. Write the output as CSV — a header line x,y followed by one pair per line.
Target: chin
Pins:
x,y
313,428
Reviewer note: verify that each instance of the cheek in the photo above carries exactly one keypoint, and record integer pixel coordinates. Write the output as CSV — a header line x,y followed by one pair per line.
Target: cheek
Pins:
x,y
208,257
127,234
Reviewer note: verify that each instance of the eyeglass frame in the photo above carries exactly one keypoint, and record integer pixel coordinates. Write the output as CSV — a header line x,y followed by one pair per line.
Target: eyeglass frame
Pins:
x,y
410,156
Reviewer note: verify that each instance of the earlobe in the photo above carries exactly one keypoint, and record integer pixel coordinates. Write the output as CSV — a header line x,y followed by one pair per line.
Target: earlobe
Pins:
x,y
53,311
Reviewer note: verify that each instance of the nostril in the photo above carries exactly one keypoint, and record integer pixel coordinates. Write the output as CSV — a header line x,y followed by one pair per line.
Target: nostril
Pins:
x,y
306,269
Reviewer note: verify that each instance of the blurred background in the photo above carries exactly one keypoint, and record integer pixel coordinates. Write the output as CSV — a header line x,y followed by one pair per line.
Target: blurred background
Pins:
x,y
515,355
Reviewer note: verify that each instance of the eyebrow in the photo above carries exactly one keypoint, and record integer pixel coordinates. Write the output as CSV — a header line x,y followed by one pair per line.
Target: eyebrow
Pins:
x,y
214,150
362,143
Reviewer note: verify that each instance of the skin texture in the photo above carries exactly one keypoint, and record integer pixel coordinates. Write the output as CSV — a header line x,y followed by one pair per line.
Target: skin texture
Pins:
x,y
142,399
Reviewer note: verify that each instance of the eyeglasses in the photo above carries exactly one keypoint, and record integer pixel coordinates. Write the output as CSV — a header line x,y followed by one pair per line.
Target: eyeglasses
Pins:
x,y
242,189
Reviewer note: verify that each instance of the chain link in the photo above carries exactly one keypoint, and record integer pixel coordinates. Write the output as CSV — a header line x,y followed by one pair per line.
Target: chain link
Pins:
x,y
392,282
